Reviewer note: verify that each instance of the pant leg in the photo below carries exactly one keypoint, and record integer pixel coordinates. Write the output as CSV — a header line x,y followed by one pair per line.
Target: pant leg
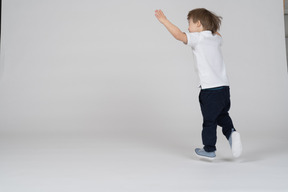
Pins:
x,y
224,120
212,103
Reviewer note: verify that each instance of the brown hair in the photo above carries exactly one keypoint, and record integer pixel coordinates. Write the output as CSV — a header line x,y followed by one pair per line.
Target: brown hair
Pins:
x,y
208,19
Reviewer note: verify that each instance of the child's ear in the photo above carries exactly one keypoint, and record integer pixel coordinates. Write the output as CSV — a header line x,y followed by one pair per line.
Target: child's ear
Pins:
x,y
199,23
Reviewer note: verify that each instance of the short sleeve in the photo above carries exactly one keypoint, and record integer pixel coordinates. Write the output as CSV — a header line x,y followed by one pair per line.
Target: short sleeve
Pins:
x,y
192,38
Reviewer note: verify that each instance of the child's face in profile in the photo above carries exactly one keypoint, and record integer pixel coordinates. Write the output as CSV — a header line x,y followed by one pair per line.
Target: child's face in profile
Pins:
x,y
195,27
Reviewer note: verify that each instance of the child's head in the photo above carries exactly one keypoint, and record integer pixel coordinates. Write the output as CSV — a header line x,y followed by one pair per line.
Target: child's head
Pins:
x,y
201,19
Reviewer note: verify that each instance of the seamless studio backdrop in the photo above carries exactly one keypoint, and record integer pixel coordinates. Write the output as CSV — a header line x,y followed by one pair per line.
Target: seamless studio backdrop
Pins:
x,y
90,66
109,69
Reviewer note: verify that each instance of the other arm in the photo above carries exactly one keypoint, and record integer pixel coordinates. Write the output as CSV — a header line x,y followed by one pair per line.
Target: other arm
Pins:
x,y
218,34
174,30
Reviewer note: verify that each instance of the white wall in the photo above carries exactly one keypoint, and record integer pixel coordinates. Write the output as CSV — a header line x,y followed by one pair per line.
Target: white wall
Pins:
x,y
110,65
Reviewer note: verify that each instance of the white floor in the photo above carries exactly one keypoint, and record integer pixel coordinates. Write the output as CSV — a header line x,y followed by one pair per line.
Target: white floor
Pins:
x,y
138,162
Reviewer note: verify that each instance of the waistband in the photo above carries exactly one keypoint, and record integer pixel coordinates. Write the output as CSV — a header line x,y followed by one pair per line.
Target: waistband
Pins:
x,y
216,88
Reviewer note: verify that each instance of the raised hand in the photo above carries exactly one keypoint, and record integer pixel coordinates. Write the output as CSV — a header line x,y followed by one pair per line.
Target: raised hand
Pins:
x,y
160,15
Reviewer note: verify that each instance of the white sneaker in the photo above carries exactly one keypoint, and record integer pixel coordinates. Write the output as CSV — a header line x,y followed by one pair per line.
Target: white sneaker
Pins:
x,y
235,143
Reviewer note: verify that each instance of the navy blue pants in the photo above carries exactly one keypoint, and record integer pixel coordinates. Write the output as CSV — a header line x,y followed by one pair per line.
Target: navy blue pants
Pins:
x,y
215,104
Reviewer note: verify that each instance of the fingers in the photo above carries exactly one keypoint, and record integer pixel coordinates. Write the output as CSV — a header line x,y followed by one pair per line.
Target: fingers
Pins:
x,y
160,15
156,12
159,12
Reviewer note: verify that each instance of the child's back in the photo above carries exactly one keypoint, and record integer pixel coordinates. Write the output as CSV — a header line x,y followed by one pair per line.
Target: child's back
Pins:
x,y
208,58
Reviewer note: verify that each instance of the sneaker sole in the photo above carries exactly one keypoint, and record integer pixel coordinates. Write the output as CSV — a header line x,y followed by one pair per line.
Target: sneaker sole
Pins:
x,y
236,144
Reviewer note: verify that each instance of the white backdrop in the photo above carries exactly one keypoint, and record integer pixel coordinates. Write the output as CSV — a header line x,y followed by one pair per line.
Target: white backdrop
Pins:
x,y
111,66
98,96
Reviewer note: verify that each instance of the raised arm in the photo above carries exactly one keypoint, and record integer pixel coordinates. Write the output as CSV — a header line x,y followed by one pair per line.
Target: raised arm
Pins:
x,y
174,30
218,34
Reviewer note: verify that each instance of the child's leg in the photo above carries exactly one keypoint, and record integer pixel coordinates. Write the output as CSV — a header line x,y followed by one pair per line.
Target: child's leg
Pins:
x,y
226,123
211,102
224,120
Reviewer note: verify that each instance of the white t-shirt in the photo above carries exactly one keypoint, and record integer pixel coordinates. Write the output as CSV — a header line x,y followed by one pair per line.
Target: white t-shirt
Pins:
x,y
208,58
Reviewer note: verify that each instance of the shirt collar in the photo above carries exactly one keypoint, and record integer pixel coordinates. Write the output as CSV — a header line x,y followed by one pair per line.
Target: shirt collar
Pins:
x,y
206,31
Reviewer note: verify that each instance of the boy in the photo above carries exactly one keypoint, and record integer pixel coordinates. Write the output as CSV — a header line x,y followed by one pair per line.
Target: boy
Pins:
x,y
214,96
